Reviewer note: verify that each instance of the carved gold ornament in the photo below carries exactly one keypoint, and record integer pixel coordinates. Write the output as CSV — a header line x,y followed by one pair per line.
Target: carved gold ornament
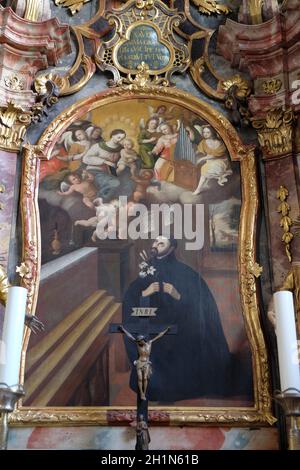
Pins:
x,y
143,33
166,20
161,17
275,131
14,83
13,124
73,5
285,221
255,11
242,86
14,120
142,79
259,413
272,86
209,7
23,270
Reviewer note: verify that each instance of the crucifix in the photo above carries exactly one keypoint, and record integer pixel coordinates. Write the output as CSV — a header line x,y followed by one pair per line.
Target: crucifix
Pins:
x,y
142,329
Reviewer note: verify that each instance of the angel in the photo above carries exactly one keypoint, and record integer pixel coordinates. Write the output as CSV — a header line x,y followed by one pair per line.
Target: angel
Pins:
x,y
105,221
212,152
164,115
163,168
75,143
83,184
147,139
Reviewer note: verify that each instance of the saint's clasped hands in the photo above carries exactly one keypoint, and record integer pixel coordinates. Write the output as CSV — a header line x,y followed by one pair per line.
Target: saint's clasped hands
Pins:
x,y
167,288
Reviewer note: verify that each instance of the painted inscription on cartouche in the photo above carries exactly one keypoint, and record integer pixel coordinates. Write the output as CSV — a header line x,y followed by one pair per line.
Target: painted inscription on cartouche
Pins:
x,y
143,46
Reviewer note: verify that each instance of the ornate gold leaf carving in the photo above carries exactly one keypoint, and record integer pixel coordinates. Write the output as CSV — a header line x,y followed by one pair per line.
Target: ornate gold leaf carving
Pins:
x,y
14,83
13,124
140,17
209,7
285,221
142,79
242,86
275,131
272,86
73,5
23,270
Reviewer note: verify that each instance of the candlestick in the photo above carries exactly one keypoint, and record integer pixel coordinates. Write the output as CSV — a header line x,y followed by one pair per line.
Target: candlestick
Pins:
x,y
287,340
289,400
12,336
8,399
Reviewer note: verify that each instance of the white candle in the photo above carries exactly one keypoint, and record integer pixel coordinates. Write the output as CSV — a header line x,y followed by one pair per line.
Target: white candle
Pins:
x,y
286,340
12,335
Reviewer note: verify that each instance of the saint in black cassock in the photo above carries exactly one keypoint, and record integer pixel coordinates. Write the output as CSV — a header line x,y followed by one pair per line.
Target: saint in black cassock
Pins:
x,y
195,362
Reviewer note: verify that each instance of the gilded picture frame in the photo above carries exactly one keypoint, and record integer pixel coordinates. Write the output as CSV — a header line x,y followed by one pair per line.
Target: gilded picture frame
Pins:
x,y
260,414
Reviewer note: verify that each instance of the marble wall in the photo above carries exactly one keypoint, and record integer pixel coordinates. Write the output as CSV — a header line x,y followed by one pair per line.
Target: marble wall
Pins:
x,y
123,438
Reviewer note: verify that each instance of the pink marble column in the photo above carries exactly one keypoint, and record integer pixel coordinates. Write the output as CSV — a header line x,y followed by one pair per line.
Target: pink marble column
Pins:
x,y
270,53
281,172
8,162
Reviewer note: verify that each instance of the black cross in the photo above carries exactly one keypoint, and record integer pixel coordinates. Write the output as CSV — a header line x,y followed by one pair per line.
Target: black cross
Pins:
x,y
142,327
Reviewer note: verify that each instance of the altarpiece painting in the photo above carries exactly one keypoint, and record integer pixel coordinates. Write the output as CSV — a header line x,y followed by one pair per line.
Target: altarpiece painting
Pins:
x,y
149,149
114,182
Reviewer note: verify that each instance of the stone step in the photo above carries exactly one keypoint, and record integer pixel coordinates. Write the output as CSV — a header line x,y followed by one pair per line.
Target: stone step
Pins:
x,y
47,344
78,362
66,343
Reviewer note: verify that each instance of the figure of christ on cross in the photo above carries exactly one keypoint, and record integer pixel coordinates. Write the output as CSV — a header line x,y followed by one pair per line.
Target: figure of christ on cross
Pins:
x,y
143,363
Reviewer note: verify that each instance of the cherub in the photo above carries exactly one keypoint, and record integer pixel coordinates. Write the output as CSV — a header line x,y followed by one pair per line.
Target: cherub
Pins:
x,y
82,186
105,220
128,158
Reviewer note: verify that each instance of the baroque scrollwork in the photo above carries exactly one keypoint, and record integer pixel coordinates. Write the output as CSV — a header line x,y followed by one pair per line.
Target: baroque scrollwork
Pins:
x,y
142,79
84,66
47,92
237,90
143,31
13,123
